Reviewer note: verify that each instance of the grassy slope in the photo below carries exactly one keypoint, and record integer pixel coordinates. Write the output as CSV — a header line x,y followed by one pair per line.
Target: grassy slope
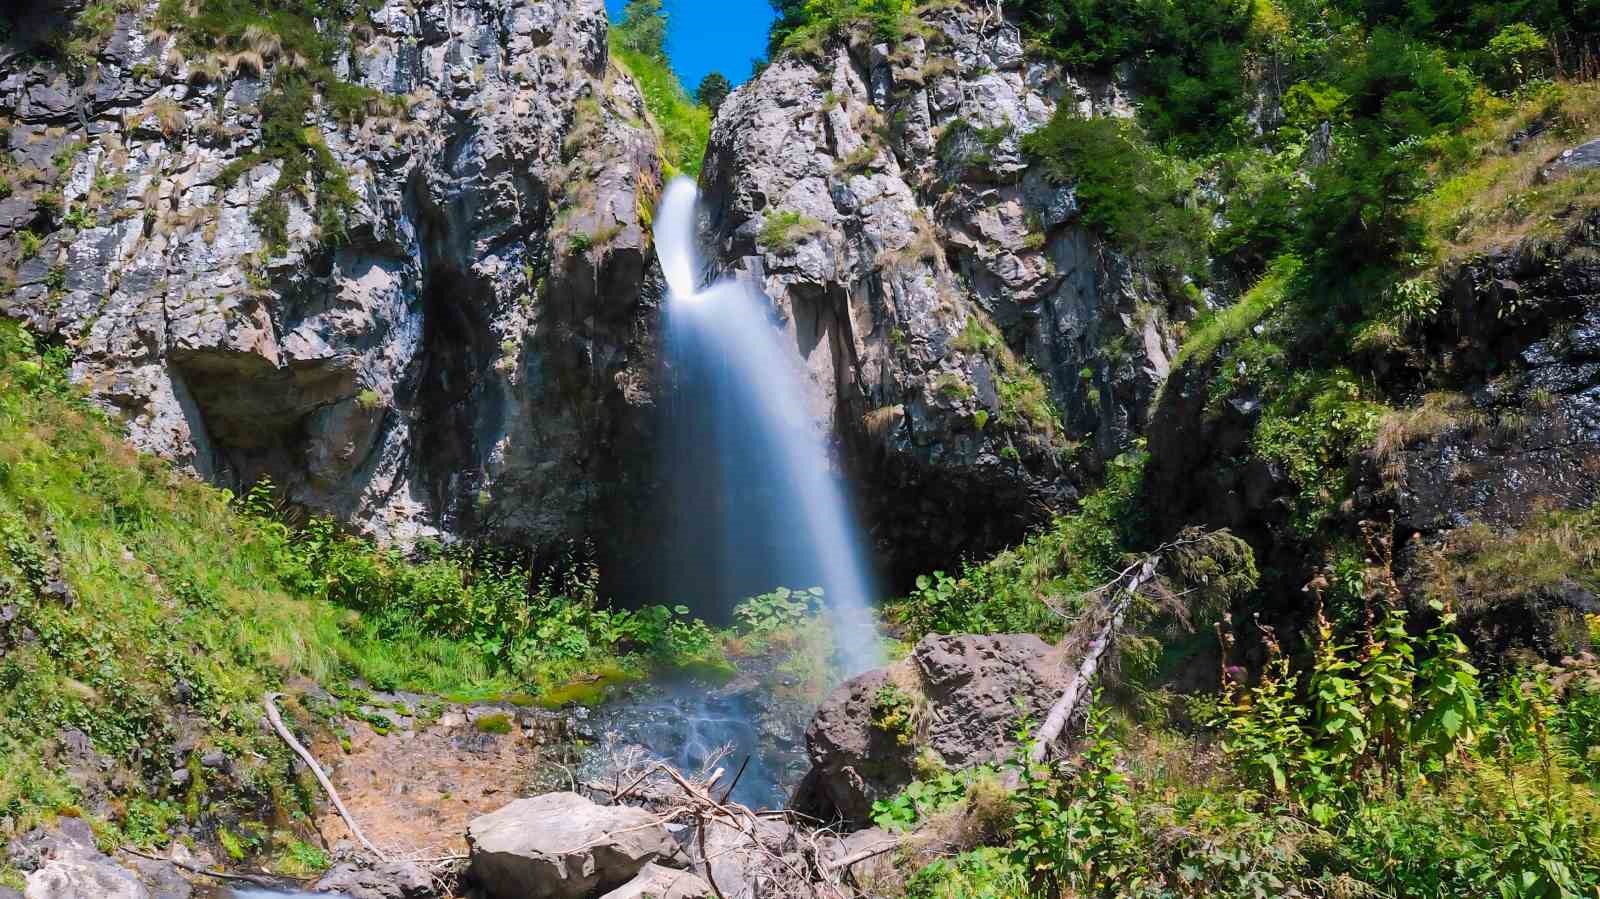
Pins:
x,y
179,621
683,126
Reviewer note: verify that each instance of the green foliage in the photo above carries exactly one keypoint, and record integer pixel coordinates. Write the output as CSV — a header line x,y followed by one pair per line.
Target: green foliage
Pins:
x,y
893,713
782,608
497,723
1134,195
922,798
804,26
642,29
28,244
1082,833
984,873
682,125
1013,591
1311,429
540,627
712,90
784,229
1232,323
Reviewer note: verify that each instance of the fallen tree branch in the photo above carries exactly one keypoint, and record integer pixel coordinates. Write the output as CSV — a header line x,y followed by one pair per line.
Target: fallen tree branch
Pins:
x,y
270,701
259,880
861,856
1137,576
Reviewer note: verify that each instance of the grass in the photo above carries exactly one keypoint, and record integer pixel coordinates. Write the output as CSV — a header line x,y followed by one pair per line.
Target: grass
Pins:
x,y
784,230
682,125
1479,567
498,723
1233,322
177,611
1025,401
1489,194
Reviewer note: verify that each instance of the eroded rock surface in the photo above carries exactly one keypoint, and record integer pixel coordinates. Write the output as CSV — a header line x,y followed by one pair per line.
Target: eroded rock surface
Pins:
x,y
63,862
959,698
460,354
656,882
963,334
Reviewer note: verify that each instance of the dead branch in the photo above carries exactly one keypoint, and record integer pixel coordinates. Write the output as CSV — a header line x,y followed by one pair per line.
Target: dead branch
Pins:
x,y
270,701
257,879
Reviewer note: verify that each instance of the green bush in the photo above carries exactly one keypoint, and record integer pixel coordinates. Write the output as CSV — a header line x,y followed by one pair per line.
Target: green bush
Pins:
x,y
1011,592
1129,192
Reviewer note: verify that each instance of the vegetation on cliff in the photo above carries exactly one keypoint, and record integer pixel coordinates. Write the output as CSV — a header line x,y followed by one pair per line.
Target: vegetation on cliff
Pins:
x,y
1326,164
638,42
143,615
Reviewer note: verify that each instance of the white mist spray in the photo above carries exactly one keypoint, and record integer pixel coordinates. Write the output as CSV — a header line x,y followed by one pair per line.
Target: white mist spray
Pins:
x,y
763,488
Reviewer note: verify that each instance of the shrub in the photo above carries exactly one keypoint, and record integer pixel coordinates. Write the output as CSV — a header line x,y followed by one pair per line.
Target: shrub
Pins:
x,y
1130,193
783,230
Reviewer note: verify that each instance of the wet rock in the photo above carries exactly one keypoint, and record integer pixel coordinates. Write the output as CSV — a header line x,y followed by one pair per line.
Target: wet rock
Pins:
x,y
380,880
962,699
656,882
562,846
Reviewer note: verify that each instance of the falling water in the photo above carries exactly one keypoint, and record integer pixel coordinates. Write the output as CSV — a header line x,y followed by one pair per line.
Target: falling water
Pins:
x,y
755,505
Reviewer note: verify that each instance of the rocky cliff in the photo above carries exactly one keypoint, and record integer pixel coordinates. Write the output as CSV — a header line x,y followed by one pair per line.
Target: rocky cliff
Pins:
x,y
443,324
975,349
443,331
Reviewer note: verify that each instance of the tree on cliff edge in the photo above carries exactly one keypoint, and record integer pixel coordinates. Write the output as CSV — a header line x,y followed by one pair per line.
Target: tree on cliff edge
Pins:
x,y
713,89
643,28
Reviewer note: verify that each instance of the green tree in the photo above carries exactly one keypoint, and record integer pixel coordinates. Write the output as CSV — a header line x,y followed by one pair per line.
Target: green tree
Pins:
x,y
643,28
713,89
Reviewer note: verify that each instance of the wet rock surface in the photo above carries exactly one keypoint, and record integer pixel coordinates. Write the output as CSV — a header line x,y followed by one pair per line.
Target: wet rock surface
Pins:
x,y
957,697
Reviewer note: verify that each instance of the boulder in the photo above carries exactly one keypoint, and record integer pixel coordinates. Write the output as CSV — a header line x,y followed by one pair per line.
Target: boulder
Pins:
x,y
656,882
383,880
740,868
1577,159
562,846
964,697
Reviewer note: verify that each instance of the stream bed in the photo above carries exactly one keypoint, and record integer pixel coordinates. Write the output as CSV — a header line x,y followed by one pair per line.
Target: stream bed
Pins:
x,y
689,723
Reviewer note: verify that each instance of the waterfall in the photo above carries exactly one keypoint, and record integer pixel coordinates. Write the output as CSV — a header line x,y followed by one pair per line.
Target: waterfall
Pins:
x,y
755,504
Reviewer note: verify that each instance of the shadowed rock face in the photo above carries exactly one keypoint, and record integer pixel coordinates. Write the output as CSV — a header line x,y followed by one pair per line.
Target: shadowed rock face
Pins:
x,y
880,198
453,366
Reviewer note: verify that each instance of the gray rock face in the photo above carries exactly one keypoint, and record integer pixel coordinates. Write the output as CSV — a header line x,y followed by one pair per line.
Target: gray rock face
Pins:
x,y
562,846
385,880
656,882
1579,158
451,362
64,863
929,282
962,696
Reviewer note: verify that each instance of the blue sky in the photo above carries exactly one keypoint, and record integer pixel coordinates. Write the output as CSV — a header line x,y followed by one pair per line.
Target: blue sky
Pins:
x,y
712,35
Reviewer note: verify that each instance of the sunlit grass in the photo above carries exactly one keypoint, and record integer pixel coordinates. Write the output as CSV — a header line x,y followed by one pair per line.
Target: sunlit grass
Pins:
x,y
1490,193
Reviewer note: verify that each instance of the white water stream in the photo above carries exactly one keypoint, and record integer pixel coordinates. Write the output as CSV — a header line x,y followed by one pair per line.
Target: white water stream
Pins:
x,y
756,504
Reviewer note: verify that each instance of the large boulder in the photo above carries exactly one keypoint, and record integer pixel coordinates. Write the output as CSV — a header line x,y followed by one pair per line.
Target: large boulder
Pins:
x,y
562,846
657,882
957,700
